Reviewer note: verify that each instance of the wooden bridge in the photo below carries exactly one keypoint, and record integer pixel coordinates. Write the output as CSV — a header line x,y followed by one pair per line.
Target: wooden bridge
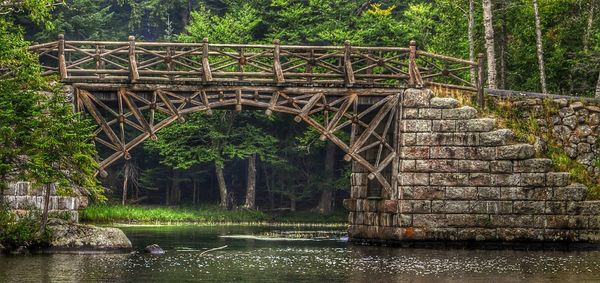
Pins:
x,y
133,89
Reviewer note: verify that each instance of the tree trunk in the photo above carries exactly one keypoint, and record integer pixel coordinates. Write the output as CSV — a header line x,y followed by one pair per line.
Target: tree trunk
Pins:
x,y
489,42
292,204
326,202
194,186
125,180
222,185
251,183
167,194
590,26
471,38
503,47
598,87
47,189
539,46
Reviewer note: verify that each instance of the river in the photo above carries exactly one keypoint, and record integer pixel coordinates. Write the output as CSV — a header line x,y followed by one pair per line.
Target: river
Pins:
x,y
250,259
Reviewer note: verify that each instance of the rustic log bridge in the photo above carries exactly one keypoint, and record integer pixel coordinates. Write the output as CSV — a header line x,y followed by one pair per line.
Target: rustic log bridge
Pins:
x,y
133,89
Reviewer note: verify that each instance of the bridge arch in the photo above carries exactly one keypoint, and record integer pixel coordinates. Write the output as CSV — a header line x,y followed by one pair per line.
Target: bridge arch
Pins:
x,y
356,120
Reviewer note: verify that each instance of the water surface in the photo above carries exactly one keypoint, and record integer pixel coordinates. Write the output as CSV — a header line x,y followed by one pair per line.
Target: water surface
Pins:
x,y
254,259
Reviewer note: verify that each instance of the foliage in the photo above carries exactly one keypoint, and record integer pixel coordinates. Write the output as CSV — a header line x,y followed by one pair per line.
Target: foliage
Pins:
x,y
21,231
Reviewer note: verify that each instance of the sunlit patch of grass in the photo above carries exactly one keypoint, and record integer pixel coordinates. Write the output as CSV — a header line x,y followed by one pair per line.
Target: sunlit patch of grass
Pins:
x,y
200,215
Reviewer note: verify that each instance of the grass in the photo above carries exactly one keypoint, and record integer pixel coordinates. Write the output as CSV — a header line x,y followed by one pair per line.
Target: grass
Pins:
x,y
200,215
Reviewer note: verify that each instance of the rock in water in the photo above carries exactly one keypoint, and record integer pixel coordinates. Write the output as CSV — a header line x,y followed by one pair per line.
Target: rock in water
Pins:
x,y
154,249
21,250
2,249
78,237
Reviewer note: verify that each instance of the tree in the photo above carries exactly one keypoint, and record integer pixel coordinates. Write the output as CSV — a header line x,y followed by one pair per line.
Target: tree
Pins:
x,y
62,154
539,46
489,42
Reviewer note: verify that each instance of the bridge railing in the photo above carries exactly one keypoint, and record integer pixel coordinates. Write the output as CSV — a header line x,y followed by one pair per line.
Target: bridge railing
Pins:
x,y
347,65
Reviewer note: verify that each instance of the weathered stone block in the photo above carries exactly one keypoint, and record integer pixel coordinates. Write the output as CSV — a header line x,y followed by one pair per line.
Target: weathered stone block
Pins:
x,y
422,193
409,139
520,234
461,193
413,179
417,98
448,152
444,125
436,165
416,126
473,166
506,180
430,113
359,179
458,206
511,220
468,139
497,137
477,234
429,220
414,152
443,103
535,165
572,192
528,207
402,220
427,138
501,166
416,206
555,207
408,165
533,179
557,179
468,220
410,113
515,151
476,125
499,207
480,179
449,179
465,112
488,193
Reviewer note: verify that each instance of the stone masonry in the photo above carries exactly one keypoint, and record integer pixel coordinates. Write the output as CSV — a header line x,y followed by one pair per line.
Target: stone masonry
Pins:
x,y
21,197
462,179
574,123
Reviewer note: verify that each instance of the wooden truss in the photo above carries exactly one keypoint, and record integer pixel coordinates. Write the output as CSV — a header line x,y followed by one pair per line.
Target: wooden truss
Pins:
x,y
129,117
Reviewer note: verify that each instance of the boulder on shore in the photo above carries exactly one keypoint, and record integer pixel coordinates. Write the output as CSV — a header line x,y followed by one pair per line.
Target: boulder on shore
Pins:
x,y
154,249
73,237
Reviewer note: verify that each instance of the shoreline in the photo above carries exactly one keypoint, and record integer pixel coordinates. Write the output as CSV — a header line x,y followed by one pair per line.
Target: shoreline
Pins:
x,y
119,224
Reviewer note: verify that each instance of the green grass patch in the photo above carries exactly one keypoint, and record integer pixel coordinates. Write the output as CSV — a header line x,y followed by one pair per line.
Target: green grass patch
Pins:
x,y
199,215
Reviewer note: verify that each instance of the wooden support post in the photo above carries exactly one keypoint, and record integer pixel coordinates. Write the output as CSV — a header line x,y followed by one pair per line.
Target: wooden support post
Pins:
x,y
170,106
89,105
415,79
306,109
238,100
338,115
133,68
138,115
348,72
205,102
480,79
206,72
272,103
62,62
99,62
277,70
169,61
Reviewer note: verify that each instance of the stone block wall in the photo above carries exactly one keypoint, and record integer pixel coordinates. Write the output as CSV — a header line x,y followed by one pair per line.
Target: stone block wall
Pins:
x,y
574,123
21,197
462,179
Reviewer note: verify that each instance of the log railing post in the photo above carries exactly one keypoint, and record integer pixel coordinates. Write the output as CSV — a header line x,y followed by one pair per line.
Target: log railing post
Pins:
x,y
206,72
480,79
99,62
277,70
415,79
62,62
133,68
348,72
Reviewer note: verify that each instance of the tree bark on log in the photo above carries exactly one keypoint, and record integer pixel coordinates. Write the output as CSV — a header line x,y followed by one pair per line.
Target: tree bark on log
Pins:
x,y
222,185
251,183
539,46
489,42
125,181
598,87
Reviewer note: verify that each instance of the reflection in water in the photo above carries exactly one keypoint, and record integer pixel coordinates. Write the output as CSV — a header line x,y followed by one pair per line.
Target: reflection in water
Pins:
x,y
251,260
